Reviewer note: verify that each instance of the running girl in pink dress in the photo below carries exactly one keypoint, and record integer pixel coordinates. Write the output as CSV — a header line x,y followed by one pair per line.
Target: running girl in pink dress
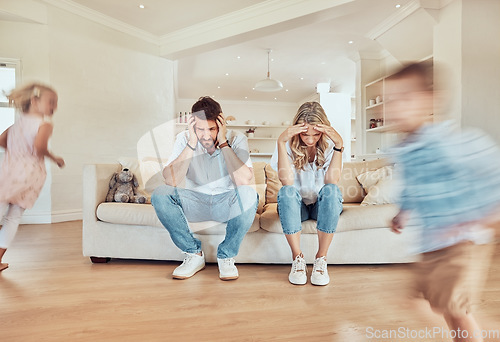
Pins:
x,y
22,172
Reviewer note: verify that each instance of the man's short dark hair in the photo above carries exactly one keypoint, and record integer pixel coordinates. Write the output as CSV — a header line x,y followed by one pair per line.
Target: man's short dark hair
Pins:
x,y
206,108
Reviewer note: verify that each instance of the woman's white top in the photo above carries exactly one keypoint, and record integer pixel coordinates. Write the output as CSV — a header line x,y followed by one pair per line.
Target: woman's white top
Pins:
x,y
310,180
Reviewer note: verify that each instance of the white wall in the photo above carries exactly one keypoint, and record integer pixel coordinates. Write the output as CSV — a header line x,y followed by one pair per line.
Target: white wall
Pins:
x,y
481,65
337,107
448,58
466,44
112,89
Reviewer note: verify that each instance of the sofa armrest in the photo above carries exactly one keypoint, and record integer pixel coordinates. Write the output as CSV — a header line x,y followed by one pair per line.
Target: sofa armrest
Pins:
x,y
95,188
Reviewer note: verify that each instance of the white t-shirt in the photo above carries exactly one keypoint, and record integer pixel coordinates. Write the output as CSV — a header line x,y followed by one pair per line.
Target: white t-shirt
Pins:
x,y
208,173
310,180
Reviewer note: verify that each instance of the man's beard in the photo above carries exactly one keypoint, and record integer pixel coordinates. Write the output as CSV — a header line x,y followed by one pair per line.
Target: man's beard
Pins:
x,y
208,143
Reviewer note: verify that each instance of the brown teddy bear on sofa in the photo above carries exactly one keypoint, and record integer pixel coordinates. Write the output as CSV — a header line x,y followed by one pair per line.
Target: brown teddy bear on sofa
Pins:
x,y
123,188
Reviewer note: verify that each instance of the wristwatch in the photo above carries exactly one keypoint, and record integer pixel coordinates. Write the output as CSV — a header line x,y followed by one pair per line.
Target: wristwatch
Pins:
x,y
224,144
339,149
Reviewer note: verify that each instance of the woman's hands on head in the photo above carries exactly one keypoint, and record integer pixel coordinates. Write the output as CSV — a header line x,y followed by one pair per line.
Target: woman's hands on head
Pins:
x,y
291,132
330,133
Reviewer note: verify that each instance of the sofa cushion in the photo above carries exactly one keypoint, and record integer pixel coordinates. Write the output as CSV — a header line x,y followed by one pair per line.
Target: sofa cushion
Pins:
x,y
352,192
260,184
353,217
379,185
145,215
273,184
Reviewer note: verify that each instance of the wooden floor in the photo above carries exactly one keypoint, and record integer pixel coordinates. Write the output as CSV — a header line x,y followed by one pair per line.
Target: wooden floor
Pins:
x,y
52,293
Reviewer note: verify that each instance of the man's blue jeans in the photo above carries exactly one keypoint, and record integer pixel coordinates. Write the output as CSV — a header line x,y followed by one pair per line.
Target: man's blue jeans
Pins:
x,y
293,211
176,207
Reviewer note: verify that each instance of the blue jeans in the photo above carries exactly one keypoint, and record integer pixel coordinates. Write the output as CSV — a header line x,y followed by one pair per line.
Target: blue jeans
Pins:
x,y
176,206
293,211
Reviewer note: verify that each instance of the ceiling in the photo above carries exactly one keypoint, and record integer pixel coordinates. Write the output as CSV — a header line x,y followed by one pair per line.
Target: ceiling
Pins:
x,y
319,45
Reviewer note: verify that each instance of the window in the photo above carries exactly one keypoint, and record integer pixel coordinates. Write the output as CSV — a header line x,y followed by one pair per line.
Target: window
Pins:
x,y
9,76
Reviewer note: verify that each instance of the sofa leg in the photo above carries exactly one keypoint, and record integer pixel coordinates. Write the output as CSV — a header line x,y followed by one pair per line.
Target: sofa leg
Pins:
x,y
99,260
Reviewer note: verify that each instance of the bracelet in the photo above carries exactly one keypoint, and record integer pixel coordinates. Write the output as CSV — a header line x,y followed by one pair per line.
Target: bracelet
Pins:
x,y
192,148
224,144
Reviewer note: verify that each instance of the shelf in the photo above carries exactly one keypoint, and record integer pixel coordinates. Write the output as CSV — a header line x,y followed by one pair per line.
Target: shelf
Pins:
x,y
375,105
244,125
261,154
380,129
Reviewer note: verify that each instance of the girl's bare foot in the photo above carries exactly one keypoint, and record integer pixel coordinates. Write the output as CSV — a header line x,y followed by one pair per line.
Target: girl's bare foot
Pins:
x,y
3,266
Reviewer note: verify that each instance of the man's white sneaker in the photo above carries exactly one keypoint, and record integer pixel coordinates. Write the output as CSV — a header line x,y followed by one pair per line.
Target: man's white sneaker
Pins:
x,y
298,274
227,269
192,263
319,275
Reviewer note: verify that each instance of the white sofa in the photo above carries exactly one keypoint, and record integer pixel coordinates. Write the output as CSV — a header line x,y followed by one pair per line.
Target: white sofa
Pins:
x,y
133,231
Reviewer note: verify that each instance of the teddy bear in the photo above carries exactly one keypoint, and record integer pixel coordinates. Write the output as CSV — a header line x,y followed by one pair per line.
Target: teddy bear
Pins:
x,y
123,188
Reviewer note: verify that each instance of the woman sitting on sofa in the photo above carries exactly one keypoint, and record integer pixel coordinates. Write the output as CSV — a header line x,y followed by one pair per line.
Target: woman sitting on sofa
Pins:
x,y
309,167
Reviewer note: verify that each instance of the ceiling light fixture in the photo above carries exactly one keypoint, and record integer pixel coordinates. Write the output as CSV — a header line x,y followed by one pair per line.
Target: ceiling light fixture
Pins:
x,y
268,84
141,6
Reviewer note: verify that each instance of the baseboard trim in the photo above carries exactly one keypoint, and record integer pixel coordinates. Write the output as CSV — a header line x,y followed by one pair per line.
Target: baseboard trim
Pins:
x,y
52,217
67,215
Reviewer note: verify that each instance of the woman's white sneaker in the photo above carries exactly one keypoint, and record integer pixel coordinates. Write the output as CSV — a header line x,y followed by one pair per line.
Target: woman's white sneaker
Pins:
x,y
319,275
227,269
298,274
192,263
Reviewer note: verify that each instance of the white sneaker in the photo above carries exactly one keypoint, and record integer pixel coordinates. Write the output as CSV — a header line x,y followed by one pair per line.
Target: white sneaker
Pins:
x,y
192,263
227,269
298,274
319,275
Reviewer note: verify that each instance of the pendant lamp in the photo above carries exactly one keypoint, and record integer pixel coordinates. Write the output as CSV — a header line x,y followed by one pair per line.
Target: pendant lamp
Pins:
x,y
268,84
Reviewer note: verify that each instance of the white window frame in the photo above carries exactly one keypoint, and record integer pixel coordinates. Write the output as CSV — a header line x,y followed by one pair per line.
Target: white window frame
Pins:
x,y
15,64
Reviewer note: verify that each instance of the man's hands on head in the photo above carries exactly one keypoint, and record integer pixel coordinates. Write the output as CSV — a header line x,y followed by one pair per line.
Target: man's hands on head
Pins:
x,y
193,139
221,124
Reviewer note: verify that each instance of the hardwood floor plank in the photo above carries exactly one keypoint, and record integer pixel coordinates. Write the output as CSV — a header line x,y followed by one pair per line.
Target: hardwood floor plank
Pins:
x,y
52,293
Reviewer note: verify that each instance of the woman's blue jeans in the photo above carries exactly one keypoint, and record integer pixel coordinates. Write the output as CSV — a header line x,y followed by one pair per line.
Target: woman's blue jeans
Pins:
x,y
293,211
175,207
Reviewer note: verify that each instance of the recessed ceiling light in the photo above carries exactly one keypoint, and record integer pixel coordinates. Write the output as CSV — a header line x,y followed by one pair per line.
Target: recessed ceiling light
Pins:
x,y
246,97
238,57
302,78
398,6
218,87
275,98
142,6
227,74
351,42
286,89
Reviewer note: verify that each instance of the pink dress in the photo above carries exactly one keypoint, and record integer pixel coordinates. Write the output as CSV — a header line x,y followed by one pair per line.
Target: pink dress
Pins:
x,y
22,172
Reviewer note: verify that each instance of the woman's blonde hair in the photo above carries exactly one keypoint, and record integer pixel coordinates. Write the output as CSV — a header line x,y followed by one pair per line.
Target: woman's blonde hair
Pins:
x,y
21,97
311,113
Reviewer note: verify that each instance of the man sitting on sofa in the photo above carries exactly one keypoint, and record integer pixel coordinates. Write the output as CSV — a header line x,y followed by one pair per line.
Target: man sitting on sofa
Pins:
x,y
207,178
